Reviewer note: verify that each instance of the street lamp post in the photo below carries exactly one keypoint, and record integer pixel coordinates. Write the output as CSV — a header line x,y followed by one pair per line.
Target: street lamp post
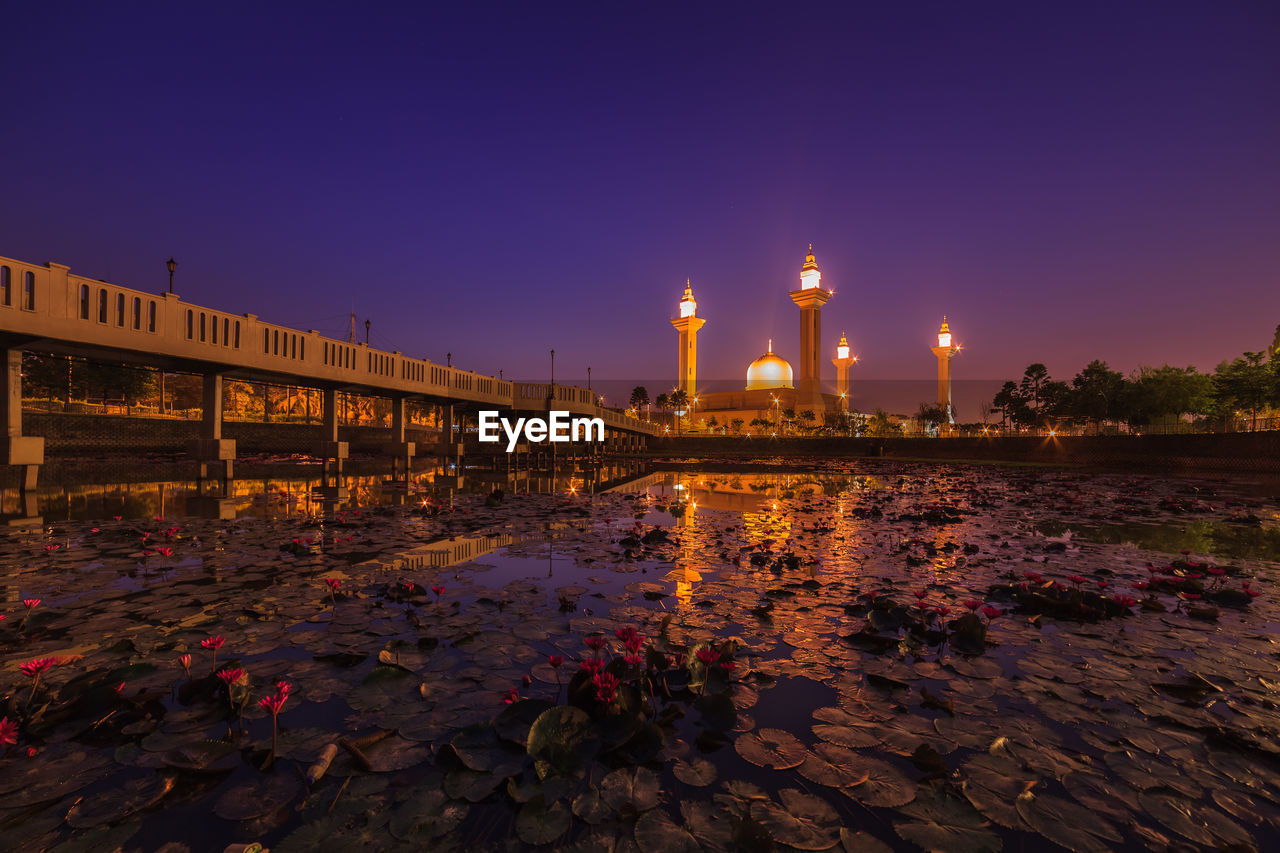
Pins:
x,y
172,265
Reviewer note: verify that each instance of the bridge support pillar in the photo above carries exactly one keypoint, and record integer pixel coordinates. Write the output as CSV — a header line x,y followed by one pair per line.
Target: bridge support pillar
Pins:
x,y
332,453
24,451
400,449
211,448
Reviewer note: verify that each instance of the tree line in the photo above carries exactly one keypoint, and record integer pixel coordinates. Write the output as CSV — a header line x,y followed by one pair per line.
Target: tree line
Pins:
x,y
1240,389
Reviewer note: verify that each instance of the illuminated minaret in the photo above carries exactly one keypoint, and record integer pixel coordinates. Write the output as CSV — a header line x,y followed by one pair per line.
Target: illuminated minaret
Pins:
x,y
843,361
944,351
688,324
810,298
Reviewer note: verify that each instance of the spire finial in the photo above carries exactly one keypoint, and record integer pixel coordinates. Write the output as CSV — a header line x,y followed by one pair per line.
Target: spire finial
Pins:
x,y
770,345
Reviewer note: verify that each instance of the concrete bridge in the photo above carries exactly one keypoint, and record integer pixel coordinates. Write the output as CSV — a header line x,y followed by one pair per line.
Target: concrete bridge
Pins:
x,y
48,308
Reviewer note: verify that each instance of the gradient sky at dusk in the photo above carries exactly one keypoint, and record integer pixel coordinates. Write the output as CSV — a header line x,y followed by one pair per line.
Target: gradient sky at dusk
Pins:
x,y
1065,181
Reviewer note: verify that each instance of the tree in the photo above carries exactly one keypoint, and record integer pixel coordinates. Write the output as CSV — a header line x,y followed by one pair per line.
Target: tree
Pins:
x,y
931,416
1245,384
1032,385
808,417
639,397
1166,392
736,424
713,423
880,425
663,402
1096,393
1011,403
680,402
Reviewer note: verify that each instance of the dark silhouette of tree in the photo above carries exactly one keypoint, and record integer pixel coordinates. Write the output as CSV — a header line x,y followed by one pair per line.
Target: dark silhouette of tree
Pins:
x,y
931,416
1246,384
1096,394
639,397
680,402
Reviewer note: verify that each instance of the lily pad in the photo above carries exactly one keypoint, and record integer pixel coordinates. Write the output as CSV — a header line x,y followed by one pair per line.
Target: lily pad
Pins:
x,y
802,820
771,748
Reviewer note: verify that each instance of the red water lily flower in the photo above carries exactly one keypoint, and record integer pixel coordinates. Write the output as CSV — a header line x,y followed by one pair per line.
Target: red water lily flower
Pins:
x,y
728,666
606,686
592,665
1076,579
991,612
1124,600
213,644
972,604
274,703
33,668
625,634
595,642
555,661
30,602
511,697
8,732
707,656
185,660
333,583
1033,576
230,676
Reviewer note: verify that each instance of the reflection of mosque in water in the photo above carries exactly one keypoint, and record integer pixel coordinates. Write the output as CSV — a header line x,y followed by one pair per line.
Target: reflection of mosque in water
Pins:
x,y
759,499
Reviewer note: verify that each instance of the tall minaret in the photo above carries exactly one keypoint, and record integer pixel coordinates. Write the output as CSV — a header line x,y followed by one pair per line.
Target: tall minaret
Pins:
x,y
843,362
688,324
944,351
810,298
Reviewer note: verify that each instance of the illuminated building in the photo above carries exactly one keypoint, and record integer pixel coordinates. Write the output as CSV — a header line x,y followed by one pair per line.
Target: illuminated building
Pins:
x,y
688,324
843,361
772,389
944,352
809,299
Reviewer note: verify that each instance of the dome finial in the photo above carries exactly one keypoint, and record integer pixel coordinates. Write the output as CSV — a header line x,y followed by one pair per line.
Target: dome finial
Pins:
x,y
770,349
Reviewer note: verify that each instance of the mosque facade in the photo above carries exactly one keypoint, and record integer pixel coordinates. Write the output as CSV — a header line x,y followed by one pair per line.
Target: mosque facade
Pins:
x,y
772,387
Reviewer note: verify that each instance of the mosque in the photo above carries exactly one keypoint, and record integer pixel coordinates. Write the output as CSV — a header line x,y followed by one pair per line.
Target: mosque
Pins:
x,y
772,387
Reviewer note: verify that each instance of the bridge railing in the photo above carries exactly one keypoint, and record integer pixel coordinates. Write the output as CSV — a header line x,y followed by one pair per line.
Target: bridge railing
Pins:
x,y
49,302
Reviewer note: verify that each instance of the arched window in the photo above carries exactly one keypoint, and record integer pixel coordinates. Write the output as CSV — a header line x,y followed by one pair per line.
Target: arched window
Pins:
x,y
29,291
6,297
214,330
275,342
102,305
137,312
190,324
237,334
84,301
226,331
151,316
266,341
202,319
120,309
302,349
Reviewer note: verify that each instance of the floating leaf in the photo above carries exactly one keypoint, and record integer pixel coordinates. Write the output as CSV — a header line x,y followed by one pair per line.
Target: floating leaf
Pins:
x,y
802,821
117,803
940,821
261,796
771,748
630,791
540,823
1063,822
426,815
562,740
699,772
656,832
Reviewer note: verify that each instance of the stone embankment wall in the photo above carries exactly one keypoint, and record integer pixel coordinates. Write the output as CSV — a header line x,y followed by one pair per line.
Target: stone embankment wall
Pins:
x,y
1256,452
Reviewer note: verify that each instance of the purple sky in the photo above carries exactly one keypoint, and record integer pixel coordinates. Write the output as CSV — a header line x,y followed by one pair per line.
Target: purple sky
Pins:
x,y
1065,181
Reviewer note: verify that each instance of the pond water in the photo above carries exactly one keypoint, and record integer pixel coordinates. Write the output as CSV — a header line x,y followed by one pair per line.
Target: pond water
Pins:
x,y
856,655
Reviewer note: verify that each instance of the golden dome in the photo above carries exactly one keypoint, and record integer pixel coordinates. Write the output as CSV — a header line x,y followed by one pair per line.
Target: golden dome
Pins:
x,y
768,371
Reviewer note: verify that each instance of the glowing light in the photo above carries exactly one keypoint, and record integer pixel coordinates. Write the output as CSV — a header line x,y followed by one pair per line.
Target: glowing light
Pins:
x,y
842,352
688,307
769,371
810,276
944,340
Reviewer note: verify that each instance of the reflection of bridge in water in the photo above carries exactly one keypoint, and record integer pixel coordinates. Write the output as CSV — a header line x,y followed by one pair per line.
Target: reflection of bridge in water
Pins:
x,y
48,308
